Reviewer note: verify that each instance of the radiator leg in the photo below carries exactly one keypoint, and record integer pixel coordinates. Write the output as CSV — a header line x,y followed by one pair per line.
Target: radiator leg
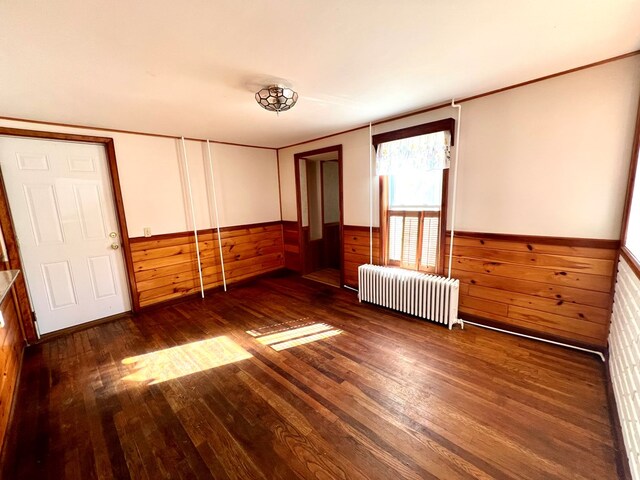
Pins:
x,y
457,321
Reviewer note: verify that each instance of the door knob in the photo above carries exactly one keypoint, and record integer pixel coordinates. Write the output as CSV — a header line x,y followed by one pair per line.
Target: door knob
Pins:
x,y
115,246
113,234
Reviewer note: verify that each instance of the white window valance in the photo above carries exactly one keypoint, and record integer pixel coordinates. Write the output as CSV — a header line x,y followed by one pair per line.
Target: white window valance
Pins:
x,y
421,153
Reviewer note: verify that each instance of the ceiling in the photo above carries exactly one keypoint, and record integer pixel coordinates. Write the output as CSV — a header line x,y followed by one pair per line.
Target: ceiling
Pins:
x,y
191,68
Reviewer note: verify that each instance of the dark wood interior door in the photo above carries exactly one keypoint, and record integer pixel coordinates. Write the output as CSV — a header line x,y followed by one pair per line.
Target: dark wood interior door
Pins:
x,y
331,234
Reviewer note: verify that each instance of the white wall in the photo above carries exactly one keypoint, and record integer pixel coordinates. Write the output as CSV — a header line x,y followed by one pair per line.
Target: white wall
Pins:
x,y
624,360
153,181
550,158
246,184
355,165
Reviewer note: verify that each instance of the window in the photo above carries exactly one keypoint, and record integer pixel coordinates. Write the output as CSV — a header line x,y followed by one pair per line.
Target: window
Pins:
x,y
413,220
413,200
631,231
632,242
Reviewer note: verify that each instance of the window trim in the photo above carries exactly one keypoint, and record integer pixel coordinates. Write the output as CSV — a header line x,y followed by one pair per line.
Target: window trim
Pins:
x,y
446,124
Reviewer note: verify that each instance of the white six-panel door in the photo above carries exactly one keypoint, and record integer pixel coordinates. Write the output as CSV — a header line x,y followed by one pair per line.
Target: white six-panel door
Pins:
x,y
63,210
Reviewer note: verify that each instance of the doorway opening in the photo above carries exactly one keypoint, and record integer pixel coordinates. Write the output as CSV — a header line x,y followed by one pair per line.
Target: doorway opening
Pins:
x,y
320,218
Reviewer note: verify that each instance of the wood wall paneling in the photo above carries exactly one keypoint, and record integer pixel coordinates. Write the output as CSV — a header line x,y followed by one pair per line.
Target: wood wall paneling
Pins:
x,y
553,288
558,289
12,346
166,268
291,240
356,251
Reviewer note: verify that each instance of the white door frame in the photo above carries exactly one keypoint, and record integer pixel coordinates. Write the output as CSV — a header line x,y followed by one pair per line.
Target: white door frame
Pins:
x,y
6,222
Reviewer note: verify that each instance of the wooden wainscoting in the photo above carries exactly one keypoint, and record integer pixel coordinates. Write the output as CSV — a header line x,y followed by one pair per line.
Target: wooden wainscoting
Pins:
x,y
12,342
558,288
356,251
166,266
291,246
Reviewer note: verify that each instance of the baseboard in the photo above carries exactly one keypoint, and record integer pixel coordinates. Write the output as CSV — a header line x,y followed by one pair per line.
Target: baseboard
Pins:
x,y
532,333
622,460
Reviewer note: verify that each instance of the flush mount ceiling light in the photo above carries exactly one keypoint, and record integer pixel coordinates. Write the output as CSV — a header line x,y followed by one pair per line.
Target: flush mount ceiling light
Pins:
x,y
276,98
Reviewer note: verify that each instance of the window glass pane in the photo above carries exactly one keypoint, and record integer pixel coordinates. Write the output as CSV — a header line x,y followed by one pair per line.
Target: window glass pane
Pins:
x,y
421,191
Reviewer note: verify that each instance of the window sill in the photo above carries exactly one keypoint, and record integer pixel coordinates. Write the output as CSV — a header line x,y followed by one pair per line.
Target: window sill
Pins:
x,y
389,264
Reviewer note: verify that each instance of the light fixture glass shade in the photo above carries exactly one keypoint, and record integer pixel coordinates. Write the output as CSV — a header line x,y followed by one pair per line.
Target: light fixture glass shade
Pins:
x,y
276,99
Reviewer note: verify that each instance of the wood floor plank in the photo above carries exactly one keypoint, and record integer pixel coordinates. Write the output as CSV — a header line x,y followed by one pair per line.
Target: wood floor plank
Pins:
x,y
375,395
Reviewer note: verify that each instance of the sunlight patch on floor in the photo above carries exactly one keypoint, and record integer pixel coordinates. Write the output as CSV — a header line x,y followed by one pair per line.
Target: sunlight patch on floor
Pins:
x,y
175,362
294,333
287,336
302,340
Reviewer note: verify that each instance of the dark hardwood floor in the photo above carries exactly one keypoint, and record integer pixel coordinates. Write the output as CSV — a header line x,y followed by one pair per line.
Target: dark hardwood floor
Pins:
x,y
329,276
284,378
